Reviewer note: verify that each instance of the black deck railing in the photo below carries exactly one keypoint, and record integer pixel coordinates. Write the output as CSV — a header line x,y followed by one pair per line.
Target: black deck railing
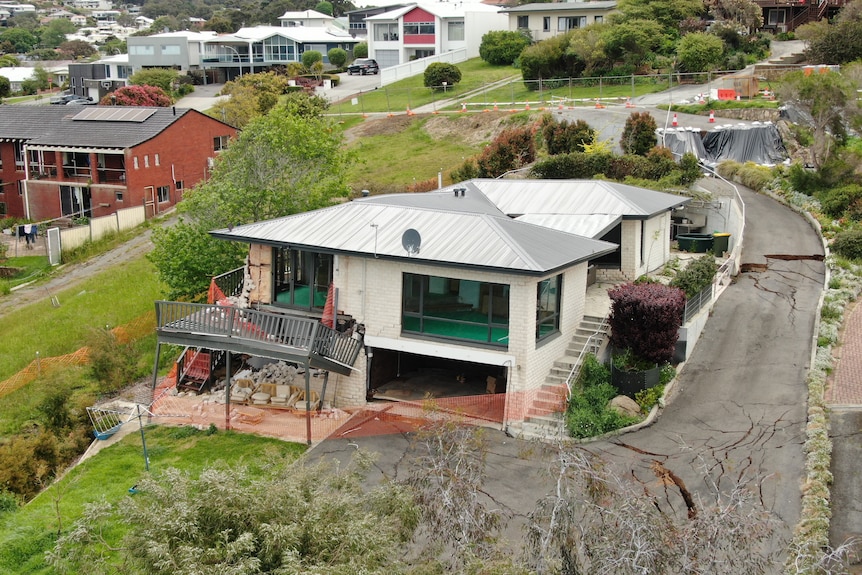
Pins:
x,y
230,283
302,337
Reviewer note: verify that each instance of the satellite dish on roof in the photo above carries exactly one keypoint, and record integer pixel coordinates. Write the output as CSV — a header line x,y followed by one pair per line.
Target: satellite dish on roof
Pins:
x,y
411,240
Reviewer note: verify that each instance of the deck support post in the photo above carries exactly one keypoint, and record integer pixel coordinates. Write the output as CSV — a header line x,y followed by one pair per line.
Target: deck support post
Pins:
x,y
227,392
308,402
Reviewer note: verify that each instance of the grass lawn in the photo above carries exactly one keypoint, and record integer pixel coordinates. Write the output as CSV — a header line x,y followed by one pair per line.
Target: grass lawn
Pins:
x,y
110,298
26,534
31,267
394,153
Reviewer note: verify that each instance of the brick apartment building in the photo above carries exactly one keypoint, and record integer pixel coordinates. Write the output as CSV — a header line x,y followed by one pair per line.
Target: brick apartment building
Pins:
x,y
67,162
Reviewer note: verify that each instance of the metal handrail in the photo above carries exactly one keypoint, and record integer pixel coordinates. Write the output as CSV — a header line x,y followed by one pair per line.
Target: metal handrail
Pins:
x,y
588,345
231,283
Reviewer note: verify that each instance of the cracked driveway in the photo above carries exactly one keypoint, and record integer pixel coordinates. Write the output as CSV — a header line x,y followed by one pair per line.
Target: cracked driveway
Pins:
x,y
740,405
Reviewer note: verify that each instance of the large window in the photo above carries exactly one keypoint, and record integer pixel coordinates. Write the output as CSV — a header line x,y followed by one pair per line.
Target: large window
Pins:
x,y
548,294
523,22
142,50
456,31
418,28
455,309
279,49
386,32
565,23
301,279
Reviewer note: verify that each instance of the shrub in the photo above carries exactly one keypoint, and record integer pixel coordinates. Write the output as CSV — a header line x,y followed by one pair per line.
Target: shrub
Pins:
x,y
311,57
360,50
576,166
439,72
588,414
502,48
337,57
8,502
563,137
466,171
549,59
160,77
689,169
646,319
639,134
112,362
144,95
848,244
648,397
697,276
511,149
843,200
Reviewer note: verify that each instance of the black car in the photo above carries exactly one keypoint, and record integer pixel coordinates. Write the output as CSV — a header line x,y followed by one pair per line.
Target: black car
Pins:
x,y
363,66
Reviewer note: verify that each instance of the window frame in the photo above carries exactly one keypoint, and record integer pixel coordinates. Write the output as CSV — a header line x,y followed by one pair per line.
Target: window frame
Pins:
x,y
434,303
548,310
300,269
163,194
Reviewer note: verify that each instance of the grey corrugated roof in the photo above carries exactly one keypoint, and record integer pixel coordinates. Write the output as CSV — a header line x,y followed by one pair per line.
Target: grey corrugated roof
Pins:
x,y
576,197
592,226
54,126
562,6
471,200
374,228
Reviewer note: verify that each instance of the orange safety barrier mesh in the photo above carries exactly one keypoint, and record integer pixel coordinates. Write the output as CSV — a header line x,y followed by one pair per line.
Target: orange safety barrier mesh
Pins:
x,y
42,366
135,329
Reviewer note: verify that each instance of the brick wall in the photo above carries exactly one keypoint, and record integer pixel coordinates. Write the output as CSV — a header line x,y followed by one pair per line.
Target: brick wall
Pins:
x,y
9,177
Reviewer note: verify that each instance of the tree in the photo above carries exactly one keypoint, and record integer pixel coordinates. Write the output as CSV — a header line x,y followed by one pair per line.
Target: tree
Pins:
x,y
564,137
588,45
137,96
744,14
251,95
699,52
311,57
337,57
289,161
54,33
324,7
835,43
513,148
9,61
22,40
360,50
76,49
830,99
5,87
666,13
639,133
440,75
163,78
502,48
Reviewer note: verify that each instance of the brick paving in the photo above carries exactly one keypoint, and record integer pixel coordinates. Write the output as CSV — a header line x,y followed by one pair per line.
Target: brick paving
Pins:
x,y
844,386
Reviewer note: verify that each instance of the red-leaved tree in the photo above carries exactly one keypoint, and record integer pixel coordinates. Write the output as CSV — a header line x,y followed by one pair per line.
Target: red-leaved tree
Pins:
x,y
142,95
645,318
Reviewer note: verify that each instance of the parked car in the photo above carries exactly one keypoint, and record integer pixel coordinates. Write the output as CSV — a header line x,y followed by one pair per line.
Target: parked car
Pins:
x,y
64,99
81,102
363,66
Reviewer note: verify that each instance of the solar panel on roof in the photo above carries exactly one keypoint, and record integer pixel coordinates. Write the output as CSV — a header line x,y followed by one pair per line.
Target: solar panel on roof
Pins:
x,y
115,114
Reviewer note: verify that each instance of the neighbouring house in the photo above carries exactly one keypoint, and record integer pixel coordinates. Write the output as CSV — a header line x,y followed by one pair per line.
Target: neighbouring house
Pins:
x,y
74,161
356,18
97,79
421,30
222,58
16,75
782,16
309,18
545,20
460,277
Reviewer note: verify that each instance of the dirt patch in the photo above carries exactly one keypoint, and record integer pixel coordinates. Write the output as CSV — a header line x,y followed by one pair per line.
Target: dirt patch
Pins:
x,y
471,129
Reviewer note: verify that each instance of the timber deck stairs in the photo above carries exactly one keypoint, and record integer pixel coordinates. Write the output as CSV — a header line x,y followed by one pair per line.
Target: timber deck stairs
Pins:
x,y
545,415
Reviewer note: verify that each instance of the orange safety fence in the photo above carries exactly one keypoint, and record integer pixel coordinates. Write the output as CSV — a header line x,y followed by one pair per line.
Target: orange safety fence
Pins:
x,y
135,329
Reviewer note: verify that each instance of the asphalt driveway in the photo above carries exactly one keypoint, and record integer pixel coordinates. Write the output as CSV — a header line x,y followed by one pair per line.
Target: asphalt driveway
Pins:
x,y
739,409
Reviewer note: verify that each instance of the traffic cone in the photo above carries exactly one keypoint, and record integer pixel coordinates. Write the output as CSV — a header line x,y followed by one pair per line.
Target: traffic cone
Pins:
x,y
712,116
463,107
560,107
629,103
599,105
675,123
495,105
527,107
409,111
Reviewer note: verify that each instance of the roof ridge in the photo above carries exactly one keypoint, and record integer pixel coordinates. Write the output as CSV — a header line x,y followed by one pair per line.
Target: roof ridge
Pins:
x,y
494,222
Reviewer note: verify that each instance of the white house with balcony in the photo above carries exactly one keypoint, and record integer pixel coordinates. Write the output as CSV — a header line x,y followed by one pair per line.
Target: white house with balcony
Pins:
x,y
258,48
546,20
421,30
309,18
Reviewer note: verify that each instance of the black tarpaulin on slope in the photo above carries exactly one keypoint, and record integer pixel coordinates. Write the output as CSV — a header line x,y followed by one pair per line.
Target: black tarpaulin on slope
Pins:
x,y
760,144
681,141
